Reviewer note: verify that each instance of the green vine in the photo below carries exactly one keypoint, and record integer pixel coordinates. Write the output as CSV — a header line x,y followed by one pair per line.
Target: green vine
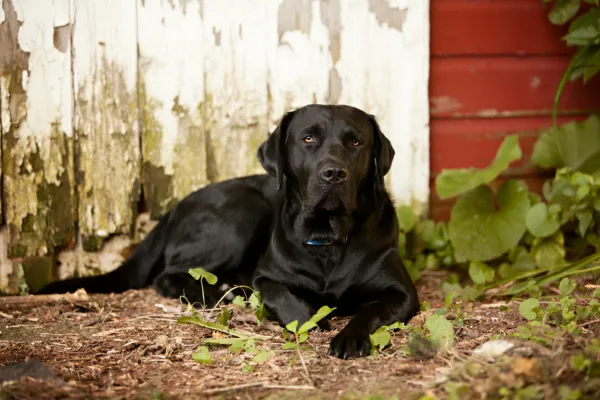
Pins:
x,y
584,34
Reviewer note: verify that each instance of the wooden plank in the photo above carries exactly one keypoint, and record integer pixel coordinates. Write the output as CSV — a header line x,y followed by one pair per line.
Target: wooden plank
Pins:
x,y
38,138
322,52
106,119
391,88
235,71
507,27
171,51
464,143
504,86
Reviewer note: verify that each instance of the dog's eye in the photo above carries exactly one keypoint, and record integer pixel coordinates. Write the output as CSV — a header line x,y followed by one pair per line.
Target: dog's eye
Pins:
x,y
308,139
355,142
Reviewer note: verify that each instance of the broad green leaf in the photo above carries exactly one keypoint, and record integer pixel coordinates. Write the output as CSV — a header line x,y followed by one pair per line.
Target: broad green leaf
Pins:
x,y
432,261
250,346
480,273
406,218
540,222
449,299
380,338
585,220
239,301
290,346
575,145
583,312
549,252
258,306
292,326
225,316
585,29
563,11
528,309
302,336
441,331
591,63
202,355
478,231
428,232
255,300
579,362
199,273
262,356
322,313
582,191
566,286
236,347
451,183
307,326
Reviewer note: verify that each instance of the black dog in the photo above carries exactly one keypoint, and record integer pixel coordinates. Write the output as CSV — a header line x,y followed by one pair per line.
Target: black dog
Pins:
x,y
319,230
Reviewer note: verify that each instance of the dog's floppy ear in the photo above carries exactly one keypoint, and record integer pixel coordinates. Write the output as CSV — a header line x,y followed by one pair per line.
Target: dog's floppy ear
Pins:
x,y
383,153
271,153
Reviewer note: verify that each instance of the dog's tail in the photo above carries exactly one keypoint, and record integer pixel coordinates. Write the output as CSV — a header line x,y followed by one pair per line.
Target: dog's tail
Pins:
x,y
137,271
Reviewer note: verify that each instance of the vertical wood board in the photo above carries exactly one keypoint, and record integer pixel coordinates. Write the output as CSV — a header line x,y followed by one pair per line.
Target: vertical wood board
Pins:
x,y
37,142
235,69
171,51
105,65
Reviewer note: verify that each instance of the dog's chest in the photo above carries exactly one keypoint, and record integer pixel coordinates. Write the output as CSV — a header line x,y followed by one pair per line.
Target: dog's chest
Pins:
x,y
330,261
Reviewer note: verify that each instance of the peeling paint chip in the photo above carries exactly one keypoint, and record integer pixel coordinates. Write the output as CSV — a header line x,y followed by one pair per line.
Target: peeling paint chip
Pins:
x,y
62,35
386,15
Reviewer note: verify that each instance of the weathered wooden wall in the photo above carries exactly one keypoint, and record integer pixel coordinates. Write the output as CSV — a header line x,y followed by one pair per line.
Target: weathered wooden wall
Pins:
x,y
109,104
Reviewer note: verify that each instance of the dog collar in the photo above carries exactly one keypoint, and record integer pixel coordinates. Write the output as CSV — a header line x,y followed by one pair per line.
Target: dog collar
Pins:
x,y
316,242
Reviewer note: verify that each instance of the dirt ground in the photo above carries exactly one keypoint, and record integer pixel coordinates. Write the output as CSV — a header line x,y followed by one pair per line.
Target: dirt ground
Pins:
x,y
130,346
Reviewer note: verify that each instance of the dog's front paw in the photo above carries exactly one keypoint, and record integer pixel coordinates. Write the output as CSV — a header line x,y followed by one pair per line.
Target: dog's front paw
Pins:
x,y
349,344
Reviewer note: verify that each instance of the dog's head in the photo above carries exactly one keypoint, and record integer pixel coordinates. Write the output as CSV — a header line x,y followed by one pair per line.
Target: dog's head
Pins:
x,y
327,154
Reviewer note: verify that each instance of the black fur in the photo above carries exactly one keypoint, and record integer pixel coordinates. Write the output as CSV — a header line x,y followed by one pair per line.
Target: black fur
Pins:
x,y
326,166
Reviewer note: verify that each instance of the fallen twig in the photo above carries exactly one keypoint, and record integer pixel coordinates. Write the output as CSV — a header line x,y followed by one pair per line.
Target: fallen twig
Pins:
x,y
263,385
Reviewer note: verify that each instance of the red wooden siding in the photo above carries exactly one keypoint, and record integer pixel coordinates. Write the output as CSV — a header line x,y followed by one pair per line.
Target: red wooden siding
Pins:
x,y
495,66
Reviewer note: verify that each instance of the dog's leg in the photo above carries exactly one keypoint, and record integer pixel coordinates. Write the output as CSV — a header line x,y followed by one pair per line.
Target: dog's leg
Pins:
x,y
284,306
393,305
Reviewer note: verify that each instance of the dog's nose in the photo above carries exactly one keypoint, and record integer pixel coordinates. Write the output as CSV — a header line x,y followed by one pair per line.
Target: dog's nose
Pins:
x,y
334,174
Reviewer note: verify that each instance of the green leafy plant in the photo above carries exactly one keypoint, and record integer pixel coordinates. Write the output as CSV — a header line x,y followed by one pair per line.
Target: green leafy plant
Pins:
x,y
556,319
203,275
583,34
301,333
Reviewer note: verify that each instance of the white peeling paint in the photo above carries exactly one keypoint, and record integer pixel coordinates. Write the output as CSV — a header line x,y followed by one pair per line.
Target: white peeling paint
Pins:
x,y
2,15
48,84
171,61
235,68
298,64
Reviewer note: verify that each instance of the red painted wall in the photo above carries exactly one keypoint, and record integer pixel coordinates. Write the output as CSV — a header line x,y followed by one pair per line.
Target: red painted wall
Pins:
x,y
495,66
